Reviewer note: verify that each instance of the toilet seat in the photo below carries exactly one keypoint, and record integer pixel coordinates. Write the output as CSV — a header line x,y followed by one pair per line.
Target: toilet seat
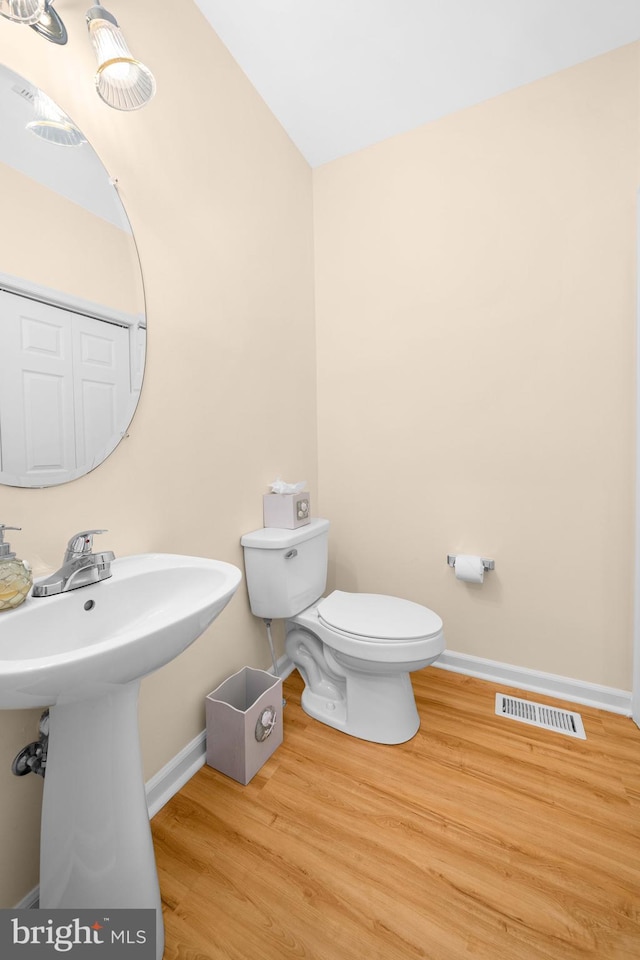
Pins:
x,y
377,618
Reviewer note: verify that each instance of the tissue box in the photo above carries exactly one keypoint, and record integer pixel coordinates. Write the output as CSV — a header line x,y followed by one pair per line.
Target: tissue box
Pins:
x,y
288,510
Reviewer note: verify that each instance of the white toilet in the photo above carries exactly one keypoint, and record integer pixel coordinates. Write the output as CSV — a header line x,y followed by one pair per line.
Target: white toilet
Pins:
x,y
354,650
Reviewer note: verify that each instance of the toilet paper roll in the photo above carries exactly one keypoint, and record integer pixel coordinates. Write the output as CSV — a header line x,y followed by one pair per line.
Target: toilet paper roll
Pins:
x,y
469,568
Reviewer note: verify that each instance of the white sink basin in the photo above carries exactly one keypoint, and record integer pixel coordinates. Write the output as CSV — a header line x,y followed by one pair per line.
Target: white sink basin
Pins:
x,y
82,653
76,645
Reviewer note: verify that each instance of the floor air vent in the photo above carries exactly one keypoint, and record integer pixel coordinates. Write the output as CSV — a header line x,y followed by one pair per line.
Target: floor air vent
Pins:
x,y
539,715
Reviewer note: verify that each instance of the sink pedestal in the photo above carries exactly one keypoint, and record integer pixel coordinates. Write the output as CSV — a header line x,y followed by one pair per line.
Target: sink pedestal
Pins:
x,y
96,848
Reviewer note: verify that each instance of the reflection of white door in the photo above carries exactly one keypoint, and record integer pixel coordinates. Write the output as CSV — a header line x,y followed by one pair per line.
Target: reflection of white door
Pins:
x,y
64,386
100,385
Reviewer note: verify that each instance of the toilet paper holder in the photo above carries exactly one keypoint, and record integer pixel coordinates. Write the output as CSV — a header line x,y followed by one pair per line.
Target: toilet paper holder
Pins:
x,y
487,564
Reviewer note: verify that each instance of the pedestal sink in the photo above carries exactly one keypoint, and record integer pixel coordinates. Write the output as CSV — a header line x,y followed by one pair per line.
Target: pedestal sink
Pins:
x,y
82,654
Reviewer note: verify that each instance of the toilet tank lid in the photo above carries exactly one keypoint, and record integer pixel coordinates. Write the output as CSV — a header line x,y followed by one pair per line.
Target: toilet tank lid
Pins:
x,y
277,538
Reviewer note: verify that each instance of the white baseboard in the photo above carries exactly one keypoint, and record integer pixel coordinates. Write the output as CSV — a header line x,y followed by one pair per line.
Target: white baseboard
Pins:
x,y
30,901
549,684
167,781
285,666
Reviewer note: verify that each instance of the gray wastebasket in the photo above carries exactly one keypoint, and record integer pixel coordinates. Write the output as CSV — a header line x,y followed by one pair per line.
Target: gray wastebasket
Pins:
x,y
244,722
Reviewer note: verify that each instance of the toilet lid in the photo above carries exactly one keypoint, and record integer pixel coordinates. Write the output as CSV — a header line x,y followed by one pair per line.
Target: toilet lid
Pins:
x,y
374,616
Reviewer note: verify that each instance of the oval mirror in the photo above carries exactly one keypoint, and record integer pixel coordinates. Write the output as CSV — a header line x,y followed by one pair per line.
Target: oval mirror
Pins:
x,y
72,320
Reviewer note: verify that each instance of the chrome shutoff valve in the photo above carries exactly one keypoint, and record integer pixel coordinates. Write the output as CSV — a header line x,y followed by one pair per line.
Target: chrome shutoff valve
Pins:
x,y
33,757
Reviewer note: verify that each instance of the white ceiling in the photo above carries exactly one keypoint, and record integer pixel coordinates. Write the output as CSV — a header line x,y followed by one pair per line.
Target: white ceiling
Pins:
x,y
343,74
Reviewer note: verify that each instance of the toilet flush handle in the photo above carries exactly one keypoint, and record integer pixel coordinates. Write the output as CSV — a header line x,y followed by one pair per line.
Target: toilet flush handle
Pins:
x,y
291,554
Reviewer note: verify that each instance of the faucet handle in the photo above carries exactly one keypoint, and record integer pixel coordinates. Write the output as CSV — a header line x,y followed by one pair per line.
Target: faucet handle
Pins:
x,y
81,544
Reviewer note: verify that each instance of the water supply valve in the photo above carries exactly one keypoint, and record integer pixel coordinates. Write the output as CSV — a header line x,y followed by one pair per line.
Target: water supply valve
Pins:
x,y
33,757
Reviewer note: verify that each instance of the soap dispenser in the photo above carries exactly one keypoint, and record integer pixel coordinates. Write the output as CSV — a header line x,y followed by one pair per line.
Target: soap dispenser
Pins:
x,y
15,575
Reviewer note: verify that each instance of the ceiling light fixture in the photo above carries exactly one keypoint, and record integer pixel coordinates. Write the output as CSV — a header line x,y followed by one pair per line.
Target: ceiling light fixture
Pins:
x,y
121,81
49,25
22,11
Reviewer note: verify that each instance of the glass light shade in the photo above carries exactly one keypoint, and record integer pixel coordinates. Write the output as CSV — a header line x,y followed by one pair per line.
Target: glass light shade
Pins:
x,y
121,80
52,124
22,11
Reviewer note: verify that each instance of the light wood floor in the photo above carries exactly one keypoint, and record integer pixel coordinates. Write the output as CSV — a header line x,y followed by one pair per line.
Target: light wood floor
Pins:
x,y
480,838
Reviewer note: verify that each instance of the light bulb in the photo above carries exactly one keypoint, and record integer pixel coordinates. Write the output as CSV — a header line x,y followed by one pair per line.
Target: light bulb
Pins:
x,y
121,81
52,124
22,11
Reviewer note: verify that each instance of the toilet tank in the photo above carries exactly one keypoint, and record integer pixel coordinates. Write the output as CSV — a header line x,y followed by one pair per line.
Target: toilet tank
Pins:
x,y
286,570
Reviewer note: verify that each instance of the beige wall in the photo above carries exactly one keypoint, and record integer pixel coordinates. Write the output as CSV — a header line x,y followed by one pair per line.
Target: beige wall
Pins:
x,y
475,317
220,203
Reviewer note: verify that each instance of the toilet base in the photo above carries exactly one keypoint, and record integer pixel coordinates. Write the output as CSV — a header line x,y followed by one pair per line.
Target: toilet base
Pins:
x,y
380,709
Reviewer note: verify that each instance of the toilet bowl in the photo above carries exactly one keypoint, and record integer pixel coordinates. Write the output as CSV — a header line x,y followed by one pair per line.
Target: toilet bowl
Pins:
x,y
355,652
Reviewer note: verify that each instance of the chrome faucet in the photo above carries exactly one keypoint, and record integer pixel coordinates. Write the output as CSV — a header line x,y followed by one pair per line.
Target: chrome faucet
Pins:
x,y
80,567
